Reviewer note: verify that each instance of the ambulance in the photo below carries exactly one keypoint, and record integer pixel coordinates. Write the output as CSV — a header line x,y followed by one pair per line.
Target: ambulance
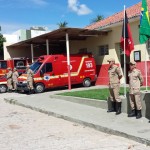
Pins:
x,y
51,71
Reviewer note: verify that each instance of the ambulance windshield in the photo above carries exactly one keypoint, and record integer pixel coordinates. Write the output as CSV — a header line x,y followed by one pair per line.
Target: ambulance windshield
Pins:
x,y
35,66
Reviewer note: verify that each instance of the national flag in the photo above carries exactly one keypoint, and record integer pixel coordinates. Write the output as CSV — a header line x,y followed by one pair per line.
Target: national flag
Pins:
x,y
144,32
126,37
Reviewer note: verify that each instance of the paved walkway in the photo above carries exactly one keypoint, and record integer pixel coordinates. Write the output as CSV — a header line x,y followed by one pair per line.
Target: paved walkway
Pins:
x,y
135,129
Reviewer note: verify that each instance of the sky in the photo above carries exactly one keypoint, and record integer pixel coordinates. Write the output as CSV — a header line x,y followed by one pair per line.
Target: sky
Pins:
x,y
23,14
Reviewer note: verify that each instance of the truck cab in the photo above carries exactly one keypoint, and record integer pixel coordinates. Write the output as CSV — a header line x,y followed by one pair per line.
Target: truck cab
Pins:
x,y
19,63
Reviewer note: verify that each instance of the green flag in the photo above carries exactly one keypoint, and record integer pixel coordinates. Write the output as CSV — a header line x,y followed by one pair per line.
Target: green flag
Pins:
x,y
144,33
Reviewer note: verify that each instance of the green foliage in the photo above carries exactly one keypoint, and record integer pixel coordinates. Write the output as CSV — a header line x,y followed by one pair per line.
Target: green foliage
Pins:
x,y
62,24
2,40
98,18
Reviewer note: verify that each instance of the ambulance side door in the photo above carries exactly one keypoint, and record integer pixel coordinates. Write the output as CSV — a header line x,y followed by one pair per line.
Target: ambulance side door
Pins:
x,y
47,73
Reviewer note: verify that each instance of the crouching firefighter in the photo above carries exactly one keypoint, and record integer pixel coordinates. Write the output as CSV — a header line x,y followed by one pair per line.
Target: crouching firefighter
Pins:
x,y
30,79
114,86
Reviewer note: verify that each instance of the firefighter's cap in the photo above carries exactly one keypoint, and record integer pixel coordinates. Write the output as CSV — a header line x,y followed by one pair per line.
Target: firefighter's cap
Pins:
x,y
8,68
28,66
110,59
15,69
132,63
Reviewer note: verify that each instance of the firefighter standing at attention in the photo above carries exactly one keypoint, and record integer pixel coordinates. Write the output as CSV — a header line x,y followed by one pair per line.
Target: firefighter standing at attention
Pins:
x,y
9,79
135,82
30,79
15,76
114,86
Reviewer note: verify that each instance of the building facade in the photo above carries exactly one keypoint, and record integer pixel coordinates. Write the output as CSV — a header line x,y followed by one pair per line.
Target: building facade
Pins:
x,y
110,45
102,46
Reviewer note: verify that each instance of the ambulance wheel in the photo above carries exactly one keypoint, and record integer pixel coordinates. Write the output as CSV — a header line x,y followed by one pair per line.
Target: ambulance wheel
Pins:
x,y
3,88
39,88
87,82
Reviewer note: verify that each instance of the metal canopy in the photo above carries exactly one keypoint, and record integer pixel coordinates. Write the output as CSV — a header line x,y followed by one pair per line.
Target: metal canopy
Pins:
x,y
59,35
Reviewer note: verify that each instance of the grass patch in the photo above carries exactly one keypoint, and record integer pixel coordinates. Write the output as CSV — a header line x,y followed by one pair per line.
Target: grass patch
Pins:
x,y
98,94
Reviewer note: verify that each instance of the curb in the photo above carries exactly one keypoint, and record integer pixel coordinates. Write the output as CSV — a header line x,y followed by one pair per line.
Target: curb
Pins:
x,y
103,104
97,127
90,102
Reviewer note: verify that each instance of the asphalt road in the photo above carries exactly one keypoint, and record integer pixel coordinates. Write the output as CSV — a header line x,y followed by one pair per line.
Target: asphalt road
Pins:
x,y
25,129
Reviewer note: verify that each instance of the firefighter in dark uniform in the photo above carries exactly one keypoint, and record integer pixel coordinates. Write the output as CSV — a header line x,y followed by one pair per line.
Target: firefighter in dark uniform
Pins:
x,y
114,86
9,79
135,81
30,79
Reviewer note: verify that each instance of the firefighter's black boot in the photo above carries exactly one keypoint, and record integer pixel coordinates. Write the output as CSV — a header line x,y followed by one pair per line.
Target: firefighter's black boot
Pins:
x,y
15,91
113,107
139,115
10,91
118,108
32,91
29,92
132,114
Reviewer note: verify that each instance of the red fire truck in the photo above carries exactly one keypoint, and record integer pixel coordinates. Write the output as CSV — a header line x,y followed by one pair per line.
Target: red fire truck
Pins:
x,y
51,71
19,63
3,84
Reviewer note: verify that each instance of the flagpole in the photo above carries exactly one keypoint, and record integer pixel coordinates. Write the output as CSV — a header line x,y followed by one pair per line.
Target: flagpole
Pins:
x,y
124,56
146,68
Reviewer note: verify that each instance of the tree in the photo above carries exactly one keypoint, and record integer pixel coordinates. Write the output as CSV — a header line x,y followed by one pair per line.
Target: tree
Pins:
x,y
2,40
98,18
62,24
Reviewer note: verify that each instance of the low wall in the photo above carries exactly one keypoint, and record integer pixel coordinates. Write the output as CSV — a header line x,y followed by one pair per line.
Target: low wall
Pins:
x,y
145,98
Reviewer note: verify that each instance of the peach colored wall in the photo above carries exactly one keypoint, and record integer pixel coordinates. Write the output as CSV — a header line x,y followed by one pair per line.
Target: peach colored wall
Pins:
x,y
113,40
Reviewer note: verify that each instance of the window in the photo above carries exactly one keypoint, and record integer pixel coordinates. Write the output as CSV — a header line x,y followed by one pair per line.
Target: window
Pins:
x,y
137,55
35,66
3,64
20,64
83,51
148,46
47,68
103,50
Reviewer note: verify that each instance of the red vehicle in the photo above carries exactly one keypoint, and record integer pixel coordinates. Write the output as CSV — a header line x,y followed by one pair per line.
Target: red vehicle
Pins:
x,y
19,63
51,71
3,84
